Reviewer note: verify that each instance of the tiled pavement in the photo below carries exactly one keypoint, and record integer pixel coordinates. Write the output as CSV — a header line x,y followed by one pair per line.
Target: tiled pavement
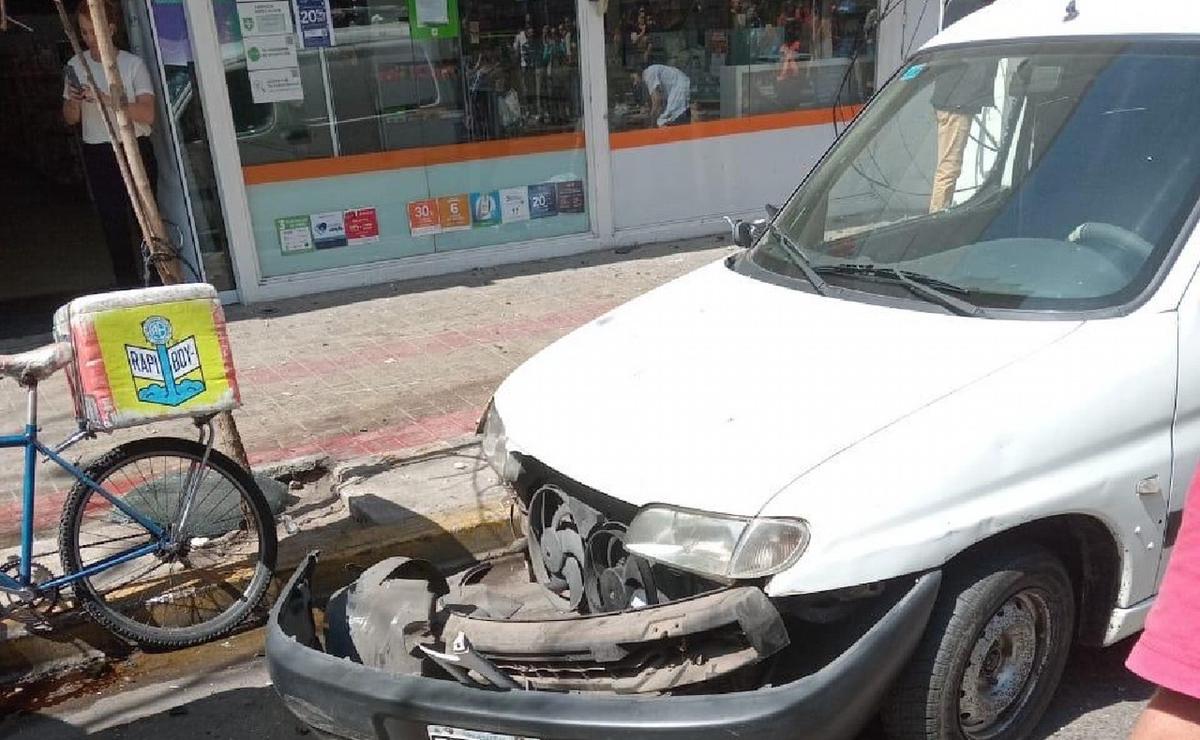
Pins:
x,y
373,370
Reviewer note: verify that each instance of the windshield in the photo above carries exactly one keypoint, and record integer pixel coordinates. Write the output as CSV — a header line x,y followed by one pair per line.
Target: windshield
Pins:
x,y
1046,176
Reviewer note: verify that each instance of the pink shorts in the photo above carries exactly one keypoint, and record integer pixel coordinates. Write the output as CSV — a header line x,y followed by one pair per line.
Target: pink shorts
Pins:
x,y
1168,652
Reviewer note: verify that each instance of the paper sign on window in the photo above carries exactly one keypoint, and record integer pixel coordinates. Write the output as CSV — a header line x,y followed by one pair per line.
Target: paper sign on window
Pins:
x,y
514,205
362,226
455,212
423,217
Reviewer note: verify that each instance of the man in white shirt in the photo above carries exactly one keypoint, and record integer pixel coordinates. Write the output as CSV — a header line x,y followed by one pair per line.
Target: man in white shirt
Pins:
x,y
81,105
670,94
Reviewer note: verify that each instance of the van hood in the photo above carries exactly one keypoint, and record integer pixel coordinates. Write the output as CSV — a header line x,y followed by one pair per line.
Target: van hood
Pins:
x,y
717,390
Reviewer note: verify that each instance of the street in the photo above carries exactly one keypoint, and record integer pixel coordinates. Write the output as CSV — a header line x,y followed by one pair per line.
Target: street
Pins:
x,y
1098,698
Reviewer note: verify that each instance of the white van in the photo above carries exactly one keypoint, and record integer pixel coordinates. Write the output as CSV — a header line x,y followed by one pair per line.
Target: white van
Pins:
x,y
932,428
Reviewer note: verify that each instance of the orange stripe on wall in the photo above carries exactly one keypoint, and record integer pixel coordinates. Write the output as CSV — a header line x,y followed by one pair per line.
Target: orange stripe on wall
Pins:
x,y
727,126
306,169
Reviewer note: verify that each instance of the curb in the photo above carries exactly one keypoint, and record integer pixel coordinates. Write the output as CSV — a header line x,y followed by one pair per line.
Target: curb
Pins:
x,y
75,644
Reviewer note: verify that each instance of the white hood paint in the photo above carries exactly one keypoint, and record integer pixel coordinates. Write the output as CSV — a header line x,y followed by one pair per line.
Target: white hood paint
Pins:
x,y
717,390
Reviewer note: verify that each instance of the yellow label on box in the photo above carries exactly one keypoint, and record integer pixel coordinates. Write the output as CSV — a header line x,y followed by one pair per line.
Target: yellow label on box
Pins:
x,y
162,359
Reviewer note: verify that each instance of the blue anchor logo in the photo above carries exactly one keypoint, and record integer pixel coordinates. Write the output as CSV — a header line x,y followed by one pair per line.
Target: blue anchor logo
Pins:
x,y
167,364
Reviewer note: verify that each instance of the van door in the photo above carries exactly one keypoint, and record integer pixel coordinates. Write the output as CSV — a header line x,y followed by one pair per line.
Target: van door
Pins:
x,y
1186,439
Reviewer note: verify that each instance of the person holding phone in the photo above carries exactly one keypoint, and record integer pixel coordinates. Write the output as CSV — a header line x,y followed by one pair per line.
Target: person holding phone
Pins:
x,y
81,106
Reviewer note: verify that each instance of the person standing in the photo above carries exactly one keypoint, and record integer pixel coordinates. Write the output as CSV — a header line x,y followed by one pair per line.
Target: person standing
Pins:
x,y
1168,652
81,106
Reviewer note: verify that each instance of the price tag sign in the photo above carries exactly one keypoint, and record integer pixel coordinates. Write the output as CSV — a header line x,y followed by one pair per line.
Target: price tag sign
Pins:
x,y
362,226
315,23
423,217
455,212
543,200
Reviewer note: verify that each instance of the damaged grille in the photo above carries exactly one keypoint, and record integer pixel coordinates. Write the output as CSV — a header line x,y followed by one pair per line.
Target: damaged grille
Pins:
x,y
573,612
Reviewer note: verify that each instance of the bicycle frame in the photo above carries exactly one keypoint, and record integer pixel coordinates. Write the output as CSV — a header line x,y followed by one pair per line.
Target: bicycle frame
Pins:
x,y
32,446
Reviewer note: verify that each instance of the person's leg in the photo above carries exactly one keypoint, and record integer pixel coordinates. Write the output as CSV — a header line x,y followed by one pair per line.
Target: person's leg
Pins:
x,y
112,205
1170,716
953,130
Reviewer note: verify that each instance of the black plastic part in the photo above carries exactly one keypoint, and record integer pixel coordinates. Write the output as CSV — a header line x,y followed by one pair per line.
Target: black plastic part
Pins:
x,y
348,700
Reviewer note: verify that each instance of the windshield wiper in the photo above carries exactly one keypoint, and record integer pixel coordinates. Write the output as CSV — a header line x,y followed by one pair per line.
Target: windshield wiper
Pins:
x,y
800,261
932,289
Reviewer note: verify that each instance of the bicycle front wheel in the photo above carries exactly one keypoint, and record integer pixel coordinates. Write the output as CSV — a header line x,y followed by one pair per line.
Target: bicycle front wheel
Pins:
x,y
200,581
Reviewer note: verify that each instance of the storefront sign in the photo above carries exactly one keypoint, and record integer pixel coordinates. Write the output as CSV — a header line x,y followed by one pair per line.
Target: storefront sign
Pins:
x,y
276,85
433,19
295,234
485,209
362,226
514,204
264,18
423,217
271,52
570,196
329,229
315,22
455,212
543,200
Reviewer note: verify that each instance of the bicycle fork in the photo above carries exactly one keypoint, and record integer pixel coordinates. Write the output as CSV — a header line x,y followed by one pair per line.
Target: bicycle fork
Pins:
x,y
196,475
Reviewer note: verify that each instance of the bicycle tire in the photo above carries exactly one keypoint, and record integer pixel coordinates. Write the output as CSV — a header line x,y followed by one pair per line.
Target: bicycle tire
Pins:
x,y
252,502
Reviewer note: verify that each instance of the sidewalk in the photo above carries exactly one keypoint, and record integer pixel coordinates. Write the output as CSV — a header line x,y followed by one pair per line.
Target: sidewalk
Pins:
x,y
373,370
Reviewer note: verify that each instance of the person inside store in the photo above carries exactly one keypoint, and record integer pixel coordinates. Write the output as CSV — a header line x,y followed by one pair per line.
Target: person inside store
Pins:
x,y
81,106
670,93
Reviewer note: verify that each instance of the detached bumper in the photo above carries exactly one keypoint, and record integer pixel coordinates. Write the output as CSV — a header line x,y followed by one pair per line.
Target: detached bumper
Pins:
x,y
346,699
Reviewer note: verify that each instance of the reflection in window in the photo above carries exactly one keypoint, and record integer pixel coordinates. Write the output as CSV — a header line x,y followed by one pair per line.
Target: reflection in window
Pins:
x,y
682,61
504,71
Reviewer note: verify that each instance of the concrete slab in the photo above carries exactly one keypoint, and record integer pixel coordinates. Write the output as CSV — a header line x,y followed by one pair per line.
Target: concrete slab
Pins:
x,y
457,480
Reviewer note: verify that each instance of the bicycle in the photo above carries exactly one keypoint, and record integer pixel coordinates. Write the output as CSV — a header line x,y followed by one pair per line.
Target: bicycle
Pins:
x,y
197,514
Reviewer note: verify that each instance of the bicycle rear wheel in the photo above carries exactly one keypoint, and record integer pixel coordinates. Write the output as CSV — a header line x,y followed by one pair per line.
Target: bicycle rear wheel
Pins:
x,y
194,587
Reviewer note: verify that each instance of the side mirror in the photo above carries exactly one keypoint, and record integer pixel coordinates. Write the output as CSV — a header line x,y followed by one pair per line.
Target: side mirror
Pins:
x,y
745,233
772,211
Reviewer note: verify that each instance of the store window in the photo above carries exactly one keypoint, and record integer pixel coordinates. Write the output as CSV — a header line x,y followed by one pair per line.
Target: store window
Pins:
x,y
688,61
489,72
371,131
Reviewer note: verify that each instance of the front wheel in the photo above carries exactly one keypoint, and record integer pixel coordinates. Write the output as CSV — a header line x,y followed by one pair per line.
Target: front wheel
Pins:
x,y
993,652
200,581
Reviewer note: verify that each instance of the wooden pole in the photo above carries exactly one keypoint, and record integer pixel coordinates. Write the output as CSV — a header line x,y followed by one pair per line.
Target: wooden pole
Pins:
x,y
133,172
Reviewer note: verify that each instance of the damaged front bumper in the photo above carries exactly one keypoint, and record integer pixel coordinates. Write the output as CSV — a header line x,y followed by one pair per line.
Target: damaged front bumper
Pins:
x,y
343,698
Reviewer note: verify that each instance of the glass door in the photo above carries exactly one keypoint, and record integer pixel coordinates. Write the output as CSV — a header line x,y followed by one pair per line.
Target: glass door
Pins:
x,y
187,191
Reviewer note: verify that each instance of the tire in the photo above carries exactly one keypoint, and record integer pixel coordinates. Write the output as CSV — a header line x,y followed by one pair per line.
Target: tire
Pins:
x,y
230,519
993,652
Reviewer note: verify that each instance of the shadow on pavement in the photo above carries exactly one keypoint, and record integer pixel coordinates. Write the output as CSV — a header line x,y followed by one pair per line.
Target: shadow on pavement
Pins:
x,y
237,714
1096,679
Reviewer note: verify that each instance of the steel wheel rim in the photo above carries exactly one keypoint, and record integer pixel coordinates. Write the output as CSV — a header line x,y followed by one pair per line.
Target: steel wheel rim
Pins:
x,y
195,558
1005,665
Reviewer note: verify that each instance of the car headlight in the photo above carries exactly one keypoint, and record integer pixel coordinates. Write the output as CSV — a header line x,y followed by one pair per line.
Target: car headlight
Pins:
x,y
495,446
720,545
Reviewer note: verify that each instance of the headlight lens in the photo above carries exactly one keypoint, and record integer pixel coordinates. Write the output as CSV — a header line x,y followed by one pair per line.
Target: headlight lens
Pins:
x,y
718,545
495,446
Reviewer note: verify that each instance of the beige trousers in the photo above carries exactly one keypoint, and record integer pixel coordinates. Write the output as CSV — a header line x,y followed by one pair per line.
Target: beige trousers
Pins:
x,y
953,130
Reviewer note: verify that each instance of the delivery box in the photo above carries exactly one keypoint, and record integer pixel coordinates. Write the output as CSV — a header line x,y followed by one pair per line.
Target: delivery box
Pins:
x,y
147,355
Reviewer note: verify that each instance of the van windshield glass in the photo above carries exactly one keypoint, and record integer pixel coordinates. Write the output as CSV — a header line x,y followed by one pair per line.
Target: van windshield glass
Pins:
x,y
1047,176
